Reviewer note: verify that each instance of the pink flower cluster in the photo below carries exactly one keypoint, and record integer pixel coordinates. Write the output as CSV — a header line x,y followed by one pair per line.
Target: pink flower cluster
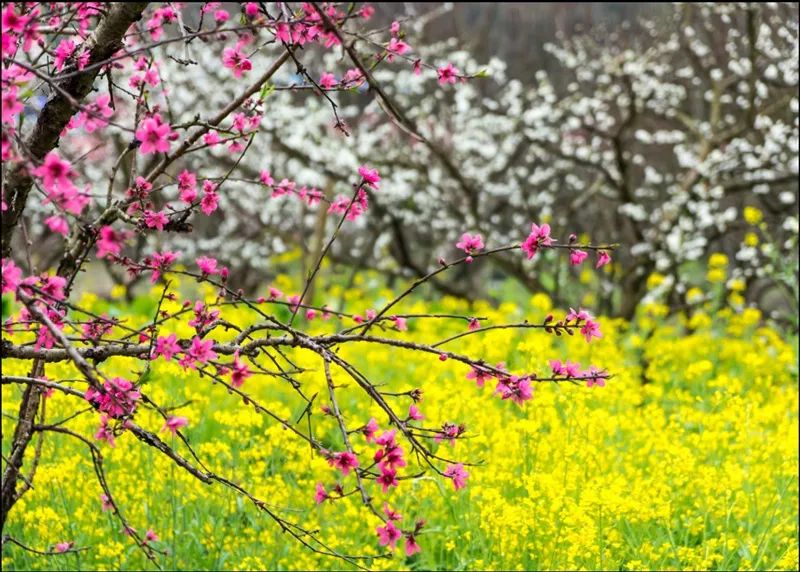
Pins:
x,y
568,369
118,397
470,244
235,59
389,533
155,135
516,388
311,196
345,461
56,176
589,328
148,76
539,237
353,209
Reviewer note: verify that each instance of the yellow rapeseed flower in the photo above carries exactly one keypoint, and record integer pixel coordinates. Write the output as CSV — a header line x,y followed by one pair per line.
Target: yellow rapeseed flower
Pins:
x,y
752,215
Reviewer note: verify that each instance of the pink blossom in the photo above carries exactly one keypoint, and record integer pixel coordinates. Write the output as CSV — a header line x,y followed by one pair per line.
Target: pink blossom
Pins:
x,y
8,47
96,328
594,377
208,266
251,9
458,474
470,244
519,390
591,330
154,135
414,413
320,494
187,185
579,315
370,429
311,196
479,375
11,276
154,26
386,438
370,176
274,293
55,171
167,346
104,432
391,456
11,106
282,32
110,242
11,21
160,262
235,59
62,547
203,317
400,323
210,200
240,371
106,503
411,545
353,76
211,138
117,397
388,535
150,536
285,187
344,461
539,237
58,225
266,178
174,423
221,16
568,369
387,478
294,301
576,257
239,122
96,113
451,432
557,367
397,47
155,219
201,351
52,286
390,513
327,81
603,258
448,74
63,52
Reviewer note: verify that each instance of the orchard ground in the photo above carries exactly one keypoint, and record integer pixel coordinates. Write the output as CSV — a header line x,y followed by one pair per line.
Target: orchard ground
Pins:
x,y
686,459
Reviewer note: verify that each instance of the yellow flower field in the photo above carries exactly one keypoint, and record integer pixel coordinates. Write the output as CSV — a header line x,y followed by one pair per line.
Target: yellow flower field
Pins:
x,y
686,459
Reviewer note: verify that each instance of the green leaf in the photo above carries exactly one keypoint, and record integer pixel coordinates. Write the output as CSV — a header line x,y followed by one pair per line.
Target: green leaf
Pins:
x,y
266,91
6,307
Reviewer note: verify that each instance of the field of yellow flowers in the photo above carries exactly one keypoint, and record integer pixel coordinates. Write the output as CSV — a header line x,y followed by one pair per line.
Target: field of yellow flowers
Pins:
x,y
686,459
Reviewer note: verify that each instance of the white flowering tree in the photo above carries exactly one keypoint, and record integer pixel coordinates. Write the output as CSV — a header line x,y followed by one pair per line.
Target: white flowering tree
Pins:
x,y
663,136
